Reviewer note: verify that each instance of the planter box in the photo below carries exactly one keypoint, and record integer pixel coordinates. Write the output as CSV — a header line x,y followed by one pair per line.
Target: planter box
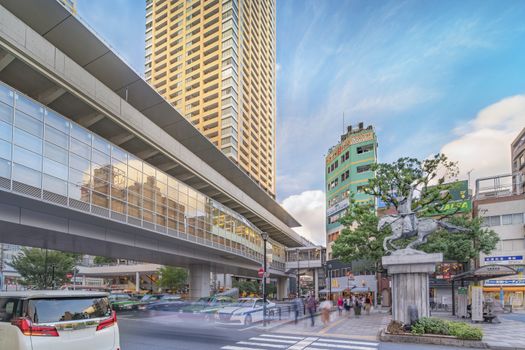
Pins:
x,y
431,339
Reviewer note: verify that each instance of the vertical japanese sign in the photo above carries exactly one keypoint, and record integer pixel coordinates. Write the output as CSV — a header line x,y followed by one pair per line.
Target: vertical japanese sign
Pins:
x,y
477,303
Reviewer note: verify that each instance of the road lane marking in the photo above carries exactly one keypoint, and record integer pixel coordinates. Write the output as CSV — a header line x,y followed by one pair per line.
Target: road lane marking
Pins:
x,y
231,347
327,328
278,346
303,344
275,340
281,336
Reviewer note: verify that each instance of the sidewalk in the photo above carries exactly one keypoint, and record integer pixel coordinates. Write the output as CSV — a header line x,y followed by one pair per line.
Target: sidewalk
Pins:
x,y
365,327
509,334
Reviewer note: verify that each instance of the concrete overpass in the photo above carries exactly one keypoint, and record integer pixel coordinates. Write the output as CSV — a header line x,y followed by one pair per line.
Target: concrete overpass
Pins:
x,y
93,160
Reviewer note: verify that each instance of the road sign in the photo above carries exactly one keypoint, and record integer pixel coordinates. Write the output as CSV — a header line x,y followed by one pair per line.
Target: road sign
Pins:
x,y
261,272
69,275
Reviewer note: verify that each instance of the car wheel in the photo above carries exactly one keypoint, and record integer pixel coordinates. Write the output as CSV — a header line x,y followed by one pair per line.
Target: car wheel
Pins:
x,y
248,320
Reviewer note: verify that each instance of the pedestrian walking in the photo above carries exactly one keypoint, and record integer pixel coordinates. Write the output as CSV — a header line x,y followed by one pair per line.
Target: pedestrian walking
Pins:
x,y
310,305
326,307
348,305
340,305
357,307
368,304
297,306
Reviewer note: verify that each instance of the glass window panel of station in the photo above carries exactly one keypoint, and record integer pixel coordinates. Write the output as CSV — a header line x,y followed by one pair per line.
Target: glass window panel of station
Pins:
x,y
134,211
27,158
6,131
26,175
5,150
118,206
147,215
99,199
80,148
6,95
29,107
55,185
6,113
57,137
79,163
100,158
101,145
119,174
81,134
134,198
80,193
5,168
28,141
119,154
79,178
29,124
57,121
58,154
101,186
55,169
134,179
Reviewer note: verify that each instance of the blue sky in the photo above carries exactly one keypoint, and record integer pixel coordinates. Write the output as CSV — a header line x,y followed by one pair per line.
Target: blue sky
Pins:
x,y
429,75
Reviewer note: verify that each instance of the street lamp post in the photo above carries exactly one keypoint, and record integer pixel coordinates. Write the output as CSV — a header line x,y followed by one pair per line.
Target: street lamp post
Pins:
x,y
329,266
264,236
298,287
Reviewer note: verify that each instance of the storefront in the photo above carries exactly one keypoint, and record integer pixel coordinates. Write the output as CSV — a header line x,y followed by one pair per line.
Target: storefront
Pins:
x,y
511,291
346,285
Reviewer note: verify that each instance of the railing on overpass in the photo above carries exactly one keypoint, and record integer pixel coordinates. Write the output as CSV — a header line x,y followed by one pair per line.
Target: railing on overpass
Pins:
x,y
49,157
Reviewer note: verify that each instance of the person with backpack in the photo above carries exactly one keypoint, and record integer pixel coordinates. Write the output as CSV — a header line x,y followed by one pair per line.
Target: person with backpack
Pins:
x,y
297,307
357,307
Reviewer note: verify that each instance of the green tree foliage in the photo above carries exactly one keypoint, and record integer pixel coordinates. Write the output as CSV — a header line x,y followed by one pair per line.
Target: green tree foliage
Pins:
x,y
394,181
464,246
172,278
102,260
248,287
37,270
360,239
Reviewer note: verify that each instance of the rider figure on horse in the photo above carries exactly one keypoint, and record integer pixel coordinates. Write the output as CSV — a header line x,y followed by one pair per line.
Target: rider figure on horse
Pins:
x,y
408,217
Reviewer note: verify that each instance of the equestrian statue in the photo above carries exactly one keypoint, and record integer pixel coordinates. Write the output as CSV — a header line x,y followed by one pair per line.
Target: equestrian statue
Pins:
x,y
406,224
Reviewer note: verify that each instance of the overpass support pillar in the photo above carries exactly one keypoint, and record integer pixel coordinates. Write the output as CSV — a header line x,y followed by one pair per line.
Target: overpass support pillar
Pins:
x,y
199,281
137,281
282,287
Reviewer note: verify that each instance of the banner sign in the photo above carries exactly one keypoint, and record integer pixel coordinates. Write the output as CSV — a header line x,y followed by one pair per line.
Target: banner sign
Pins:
x,y
351,140
459,202
514,282
504,259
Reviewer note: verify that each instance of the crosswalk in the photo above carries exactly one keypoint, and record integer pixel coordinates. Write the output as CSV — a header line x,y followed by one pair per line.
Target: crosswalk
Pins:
x,y
288,342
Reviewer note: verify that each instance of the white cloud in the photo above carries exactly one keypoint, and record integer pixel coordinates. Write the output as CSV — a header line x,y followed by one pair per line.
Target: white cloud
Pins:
x,y
309,209
483,144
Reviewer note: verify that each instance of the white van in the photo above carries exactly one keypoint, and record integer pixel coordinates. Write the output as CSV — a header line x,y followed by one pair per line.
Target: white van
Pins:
x,y
57,320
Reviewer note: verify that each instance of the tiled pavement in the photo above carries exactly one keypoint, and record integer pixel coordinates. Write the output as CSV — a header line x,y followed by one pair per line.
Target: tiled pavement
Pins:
x,y
509,334
364,327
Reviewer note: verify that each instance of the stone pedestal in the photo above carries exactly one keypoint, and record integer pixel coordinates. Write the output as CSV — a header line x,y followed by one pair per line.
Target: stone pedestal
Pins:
x,y
409,270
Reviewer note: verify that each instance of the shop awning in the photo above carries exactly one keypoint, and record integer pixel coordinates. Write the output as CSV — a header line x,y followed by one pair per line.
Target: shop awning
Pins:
x,y
484,273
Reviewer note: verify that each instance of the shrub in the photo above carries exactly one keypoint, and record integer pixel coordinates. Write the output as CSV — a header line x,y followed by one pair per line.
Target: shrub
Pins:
x,y
461,330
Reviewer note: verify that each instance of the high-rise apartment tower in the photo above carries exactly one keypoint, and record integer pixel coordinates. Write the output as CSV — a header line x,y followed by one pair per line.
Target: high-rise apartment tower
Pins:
x,y
214,60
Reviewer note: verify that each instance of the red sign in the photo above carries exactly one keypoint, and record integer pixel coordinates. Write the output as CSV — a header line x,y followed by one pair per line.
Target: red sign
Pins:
x,y
261,272
69,275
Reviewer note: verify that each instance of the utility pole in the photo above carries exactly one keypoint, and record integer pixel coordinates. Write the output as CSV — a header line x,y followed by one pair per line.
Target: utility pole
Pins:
x,y
1,266
264,236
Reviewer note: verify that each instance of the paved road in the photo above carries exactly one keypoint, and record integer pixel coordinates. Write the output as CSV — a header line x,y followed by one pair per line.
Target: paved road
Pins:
x,y
167,331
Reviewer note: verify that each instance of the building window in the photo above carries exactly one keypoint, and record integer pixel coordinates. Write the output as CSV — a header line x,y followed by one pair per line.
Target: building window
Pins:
x,y
345,175
363,168
365,148
345,156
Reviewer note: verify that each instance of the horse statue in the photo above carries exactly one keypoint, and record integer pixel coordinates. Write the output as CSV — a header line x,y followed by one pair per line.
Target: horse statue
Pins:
x,y
406,225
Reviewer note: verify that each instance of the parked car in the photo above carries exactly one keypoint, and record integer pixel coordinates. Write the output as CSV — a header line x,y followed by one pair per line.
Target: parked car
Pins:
x,y
244,312
149,299
123,301
57,320
207,307
168,302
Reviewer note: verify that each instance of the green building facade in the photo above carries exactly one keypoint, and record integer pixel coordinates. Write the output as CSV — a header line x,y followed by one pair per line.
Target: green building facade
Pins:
x,y
347,171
